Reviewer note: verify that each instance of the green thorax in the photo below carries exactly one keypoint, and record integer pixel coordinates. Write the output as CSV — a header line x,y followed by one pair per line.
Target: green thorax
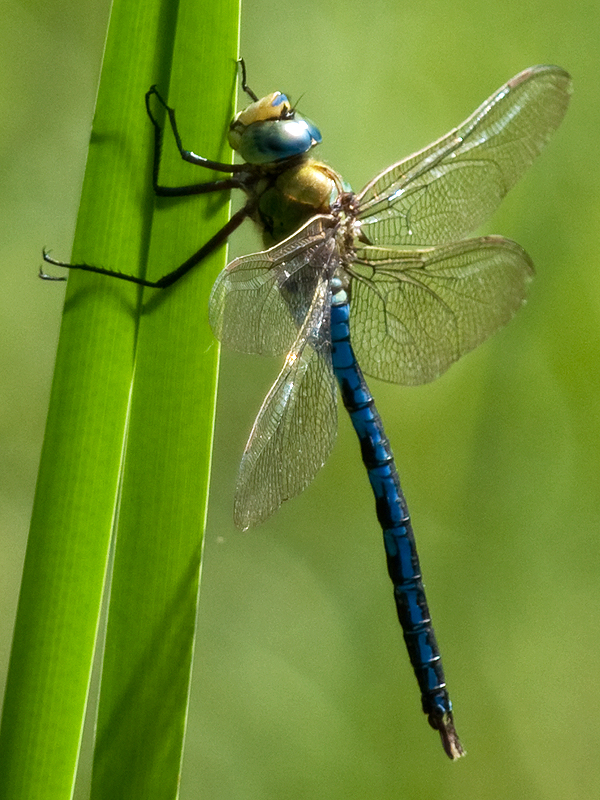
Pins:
x,y
294,196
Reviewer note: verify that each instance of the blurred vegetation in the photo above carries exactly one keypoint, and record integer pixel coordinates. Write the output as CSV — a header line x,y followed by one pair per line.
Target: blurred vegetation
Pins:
x,y
304,689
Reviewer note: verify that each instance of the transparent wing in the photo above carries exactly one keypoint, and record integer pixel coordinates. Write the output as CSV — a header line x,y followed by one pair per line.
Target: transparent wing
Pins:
x,y
259,301
296,426
445,191
416,312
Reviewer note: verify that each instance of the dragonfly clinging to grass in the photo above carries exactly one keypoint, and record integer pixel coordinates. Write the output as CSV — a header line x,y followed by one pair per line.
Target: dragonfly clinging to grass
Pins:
x,y
382,279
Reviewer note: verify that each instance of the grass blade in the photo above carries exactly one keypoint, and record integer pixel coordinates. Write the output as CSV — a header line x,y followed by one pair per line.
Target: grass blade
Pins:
x,y
69,540
155,583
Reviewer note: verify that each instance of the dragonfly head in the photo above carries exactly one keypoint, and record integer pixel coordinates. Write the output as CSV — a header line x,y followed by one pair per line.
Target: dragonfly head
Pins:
x,y
271,130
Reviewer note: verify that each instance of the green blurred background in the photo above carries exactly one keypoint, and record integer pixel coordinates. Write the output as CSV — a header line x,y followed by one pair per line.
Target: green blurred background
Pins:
x,y
302,687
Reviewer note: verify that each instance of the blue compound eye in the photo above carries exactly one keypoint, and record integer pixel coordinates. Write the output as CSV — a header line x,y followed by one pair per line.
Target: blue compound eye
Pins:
x,y
270,130
275,140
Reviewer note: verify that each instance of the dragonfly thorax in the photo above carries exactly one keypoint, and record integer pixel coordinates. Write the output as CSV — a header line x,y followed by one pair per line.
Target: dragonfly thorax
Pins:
x,y
295,195
271,130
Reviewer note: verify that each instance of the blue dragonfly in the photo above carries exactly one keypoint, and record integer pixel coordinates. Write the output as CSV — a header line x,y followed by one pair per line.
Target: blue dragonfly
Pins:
x,y
382,279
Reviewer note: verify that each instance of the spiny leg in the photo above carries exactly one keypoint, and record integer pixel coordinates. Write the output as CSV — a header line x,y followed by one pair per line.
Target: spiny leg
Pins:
x,y
187,155
173,191
245,87
171,277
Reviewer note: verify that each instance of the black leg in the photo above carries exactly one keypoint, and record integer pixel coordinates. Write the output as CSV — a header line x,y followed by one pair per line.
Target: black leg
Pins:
x,y
245,86
187,155
181,191
241,182
171,277
178,191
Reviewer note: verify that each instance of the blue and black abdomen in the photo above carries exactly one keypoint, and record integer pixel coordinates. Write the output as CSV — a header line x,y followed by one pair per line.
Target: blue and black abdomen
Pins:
x,y
392,513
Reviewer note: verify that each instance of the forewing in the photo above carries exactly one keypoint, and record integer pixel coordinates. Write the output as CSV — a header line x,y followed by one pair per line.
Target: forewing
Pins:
x,y
445,191
296,426
416,312
259,301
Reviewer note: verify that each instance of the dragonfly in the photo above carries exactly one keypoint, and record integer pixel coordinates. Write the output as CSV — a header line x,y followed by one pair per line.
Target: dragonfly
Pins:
x,y
381,282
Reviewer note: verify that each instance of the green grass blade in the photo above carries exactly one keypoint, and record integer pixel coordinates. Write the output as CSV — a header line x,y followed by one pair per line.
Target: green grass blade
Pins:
x,y
155,583
70,533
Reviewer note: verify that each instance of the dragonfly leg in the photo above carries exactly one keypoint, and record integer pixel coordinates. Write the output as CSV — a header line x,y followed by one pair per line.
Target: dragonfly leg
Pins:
x,y
171,277
245,87
187,155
